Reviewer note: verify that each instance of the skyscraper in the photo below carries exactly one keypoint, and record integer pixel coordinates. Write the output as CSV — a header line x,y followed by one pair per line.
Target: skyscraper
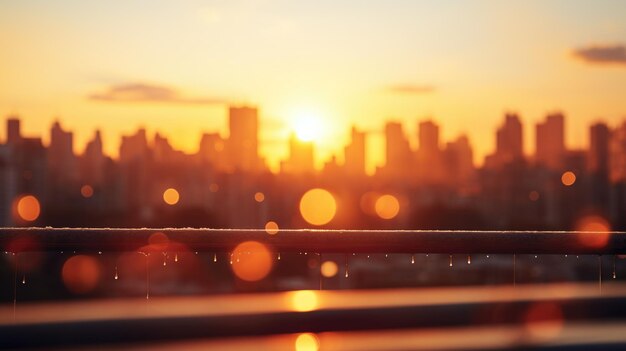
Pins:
x,y
397,151
509,142
599,139
301,157
13,130
429,156
243,141
354,154
61,159
550,141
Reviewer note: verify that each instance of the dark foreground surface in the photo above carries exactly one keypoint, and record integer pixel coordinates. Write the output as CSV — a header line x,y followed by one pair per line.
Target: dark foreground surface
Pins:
x,y
551,317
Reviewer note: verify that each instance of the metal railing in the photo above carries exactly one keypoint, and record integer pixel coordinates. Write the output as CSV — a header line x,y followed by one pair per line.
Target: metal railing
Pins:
x,y
319,241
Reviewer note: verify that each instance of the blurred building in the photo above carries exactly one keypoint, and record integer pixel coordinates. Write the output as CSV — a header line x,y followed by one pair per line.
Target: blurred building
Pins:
x,y
550,142
242,145
354,154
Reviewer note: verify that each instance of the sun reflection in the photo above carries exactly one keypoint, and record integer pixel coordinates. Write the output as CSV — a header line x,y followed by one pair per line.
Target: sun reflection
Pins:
x,y
387,206
171,196
271,228
253,261
28,208
303,300
307,342
568,178
318,206
81,274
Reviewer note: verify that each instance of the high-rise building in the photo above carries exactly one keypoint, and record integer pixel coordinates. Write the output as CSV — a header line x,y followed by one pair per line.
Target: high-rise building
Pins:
x,y
212,149
354,154
428,136
509,142
598,156
429,157
134,147
617,161
301,157
243,141
459,161
13,130
397,151
550,141
93,161
61,159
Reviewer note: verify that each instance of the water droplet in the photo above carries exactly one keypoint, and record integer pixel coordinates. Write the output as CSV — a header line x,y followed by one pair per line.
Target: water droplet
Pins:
x,y
450,261
487,256
196,252
24,279
576,256
535,256
614,275
347,274
176,257
469,259
116,276
164,262
386,255
413,259
565,255
279,256
368,256
215,257
231,258
99,252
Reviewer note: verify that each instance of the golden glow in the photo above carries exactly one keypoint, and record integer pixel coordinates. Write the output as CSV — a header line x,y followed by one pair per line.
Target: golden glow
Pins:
x,y
271,228
252,261
318,206
329,269
171,196
308,126
86,191
81,274
259,197
307,342
387,206
568,178
594,231
303,300
28,208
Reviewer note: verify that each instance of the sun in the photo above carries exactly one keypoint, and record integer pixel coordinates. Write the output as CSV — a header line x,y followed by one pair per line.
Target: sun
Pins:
x,y
308,126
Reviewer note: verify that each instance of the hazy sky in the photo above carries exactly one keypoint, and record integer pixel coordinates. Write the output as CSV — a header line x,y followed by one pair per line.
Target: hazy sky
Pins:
x,y
172,65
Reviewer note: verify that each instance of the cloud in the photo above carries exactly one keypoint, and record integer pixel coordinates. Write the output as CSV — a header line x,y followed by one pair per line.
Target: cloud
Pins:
x,y
150,93
410,89
602,54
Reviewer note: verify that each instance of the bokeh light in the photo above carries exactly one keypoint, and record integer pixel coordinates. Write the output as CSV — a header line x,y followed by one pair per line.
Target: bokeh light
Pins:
x,y
303,300
86,191
568,178
81,274
259,197
214,188
329,269
271,228
307,342
28,208
533,195
171,196
595,231
318,206
253,261
544,320
387,206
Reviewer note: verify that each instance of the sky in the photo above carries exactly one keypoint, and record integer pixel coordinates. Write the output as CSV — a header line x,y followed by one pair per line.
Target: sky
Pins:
x,y
174,66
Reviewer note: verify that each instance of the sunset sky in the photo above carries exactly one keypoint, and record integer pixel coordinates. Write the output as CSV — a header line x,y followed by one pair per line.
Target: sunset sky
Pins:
x,y
172,66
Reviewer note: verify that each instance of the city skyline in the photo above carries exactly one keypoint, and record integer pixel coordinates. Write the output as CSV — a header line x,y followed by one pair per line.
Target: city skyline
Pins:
x,y
174,68
552,129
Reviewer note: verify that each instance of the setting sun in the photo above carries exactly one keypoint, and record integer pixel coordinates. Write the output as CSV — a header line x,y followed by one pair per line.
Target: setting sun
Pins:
x,y
308,126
